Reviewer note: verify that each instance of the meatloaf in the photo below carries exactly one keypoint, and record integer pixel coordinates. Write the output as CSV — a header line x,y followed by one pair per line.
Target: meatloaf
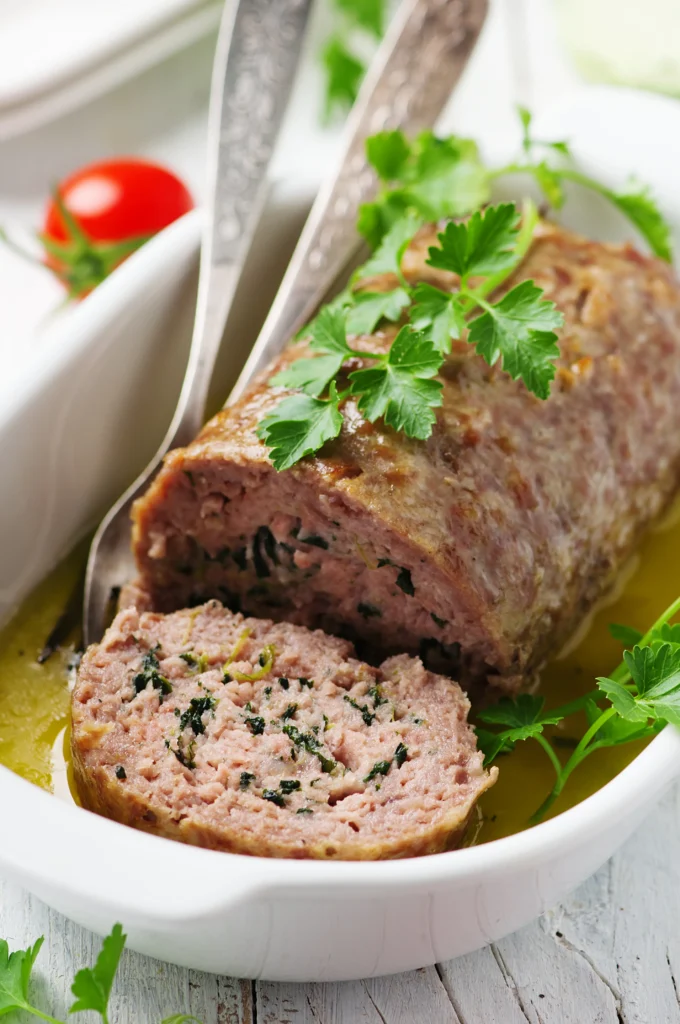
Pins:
x,y
242,735
486,543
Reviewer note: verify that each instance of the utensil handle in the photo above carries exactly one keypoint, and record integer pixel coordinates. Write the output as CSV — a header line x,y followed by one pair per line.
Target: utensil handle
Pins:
x,y
255,62
419,62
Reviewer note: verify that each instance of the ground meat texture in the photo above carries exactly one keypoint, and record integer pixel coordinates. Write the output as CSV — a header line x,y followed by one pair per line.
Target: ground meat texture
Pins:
x,y
249,737
487,543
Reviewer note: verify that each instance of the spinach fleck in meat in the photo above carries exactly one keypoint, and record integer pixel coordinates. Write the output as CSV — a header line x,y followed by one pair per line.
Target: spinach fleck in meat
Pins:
x,y
404,582
368,716
369,611
283,683
383,767
289,712
309,742
376,696
315,541
120,772
245,780
437,621
309,683
288,786
256,725
274,797
193,716
304,810
150,673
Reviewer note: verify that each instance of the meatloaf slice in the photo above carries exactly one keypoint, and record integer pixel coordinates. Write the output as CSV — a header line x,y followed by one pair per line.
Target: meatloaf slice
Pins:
x,y
242,735
489,541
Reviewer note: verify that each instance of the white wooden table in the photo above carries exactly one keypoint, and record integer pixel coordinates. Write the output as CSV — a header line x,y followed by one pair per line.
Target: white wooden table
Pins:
x,y
611,953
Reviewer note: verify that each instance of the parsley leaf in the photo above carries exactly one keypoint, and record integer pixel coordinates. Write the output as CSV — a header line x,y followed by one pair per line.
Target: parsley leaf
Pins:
x,y
180,1018
388,152
524,718
387,257
614,731
372,307
655,671
625,634
15,973
438,315
92,985
327,334
640,208
344,72
400,389
482,246
299,426
432,177
366,14
518,331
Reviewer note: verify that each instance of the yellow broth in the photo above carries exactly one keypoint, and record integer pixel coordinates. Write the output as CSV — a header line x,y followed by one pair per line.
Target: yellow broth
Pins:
x,y
34,698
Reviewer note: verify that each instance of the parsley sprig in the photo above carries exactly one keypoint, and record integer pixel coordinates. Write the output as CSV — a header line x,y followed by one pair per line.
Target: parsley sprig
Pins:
x,y
427,180
91,986
356,22
643,694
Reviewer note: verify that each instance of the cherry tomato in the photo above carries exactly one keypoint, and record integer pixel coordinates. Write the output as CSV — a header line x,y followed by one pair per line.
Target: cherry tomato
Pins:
x,y
102,213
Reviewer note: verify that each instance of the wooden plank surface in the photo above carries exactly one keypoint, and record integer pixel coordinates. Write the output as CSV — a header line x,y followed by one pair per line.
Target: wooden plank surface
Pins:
x,y
609,955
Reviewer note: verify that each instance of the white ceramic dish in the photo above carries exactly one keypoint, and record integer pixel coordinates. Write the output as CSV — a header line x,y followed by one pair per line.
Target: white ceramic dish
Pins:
x,y
55,57
66,448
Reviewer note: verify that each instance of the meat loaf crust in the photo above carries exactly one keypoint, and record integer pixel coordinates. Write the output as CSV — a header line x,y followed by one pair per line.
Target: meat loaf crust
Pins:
x,y
299,750
491,540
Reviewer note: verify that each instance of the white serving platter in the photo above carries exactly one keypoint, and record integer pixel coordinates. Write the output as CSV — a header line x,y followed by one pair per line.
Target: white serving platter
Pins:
x,y
56,56
92,414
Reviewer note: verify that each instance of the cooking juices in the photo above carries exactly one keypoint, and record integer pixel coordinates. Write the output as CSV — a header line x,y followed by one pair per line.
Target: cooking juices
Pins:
x,y
34,698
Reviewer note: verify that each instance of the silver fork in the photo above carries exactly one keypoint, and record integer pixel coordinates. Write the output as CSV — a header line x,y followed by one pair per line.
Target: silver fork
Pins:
x,y
418,64
255,62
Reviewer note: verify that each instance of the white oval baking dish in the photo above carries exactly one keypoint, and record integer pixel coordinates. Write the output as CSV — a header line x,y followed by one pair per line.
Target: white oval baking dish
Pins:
x,y
74,434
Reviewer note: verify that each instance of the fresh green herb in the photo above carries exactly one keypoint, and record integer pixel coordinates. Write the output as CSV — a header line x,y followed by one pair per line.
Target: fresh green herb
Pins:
x,y
625,634
274,797
256,725
91,986
429,180
288,786
368,716
149,673
309,743
289,712
245,779
120,772
643,694
344,69
193,716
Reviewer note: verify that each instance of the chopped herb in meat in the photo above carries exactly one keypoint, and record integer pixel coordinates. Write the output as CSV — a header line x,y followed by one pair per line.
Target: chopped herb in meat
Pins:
x,y
274,797
400,755
311,745
384,561
245,780
200,663
368,716
261,546
404,582
267,692
315,541
120,772
288,786
184,757
256,725
289,712
379,768
377,697
304,810
240,556
248,707
437,621
149,673
369,611
193,716
309,683
283,683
